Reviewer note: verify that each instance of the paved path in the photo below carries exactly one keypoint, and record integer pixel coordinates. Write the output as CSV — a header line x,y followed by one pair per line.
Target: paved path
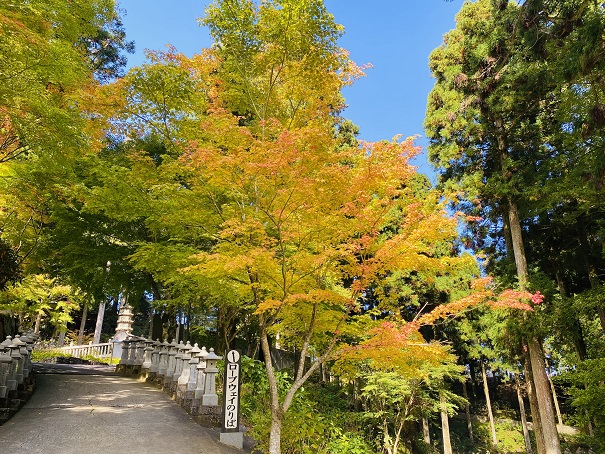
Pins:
x,y
78,409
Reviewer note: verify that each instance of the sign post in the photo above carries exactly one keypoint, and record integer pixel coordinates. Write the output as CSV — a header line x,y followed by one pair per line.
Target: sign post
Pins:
x,y
230,433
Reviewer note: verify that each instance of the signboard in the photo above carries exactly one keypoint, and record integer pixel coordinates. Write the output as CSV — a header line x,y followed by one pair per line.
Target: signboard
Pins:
x,y
231,392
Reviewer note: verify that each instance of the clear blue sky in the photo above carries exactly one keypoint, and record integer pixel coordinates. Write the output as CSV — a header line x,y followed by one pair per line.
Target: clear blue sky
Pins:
x,y
395,36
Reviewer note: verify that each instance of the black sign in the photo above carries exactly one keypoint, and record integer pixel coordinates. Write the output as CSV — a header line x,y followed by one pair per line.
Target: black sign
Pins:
x,y
231,392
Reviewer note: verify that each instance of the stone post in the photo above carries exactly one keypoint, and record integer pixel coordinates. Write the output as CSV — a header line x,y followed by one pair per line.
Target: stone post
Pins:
x,y
24,357
132,353
193,363
178,368
5,362
163,362
155,358
29,342
185,374
171,363
147,352
124,356
188,399
15,378
210,397
139,356
201,374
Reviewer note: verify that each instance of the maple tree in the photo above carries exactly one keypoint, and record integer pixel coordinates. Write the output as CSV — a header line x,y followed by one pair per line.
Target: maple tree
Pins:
x,y
252,199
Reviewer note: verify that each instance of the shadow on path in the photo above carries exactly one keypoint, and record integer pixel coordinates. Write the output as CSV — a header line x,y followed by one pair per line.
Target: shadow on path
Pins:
x,y
82,409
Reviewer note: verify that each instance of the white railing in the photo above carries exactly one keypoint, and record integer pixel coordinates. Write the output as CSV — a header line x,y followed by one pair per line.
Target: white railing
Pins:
x,y
79,351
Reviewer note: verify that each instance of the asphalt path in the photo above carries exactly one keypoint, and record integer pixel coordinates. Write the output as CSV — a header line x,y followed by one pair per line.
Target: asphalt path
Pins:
x,y
81,409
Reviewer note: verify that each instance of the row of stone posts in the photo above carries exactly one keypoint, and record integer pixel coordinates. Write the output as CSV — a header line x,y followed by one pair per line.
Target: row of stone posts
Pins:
x,y
186,372
16,377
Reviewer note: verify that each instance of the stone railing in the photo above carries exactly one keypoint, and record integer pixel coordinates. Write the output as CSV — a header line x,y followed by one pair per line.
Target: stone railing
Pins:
x,y
16,376
186,372
79,351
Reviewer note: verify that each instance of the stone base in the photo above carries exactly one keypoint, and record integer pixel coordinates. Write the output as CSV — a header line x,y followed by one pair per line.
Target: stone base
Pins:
x,y
210,400
180,394
235,439
151,377
159,381
143,374
188,400
172,389
15,400
206,416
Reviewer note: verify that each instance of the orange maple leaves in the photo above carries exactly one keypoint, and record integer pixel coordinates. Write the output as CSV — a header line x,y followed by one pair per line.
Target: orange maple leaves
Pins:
x,y
389,338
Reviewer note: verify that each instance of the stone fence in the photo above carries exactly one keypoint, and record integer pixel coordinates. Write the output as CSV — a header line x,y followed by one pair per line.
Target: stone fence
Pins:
x,y
79,351
187,373
16,377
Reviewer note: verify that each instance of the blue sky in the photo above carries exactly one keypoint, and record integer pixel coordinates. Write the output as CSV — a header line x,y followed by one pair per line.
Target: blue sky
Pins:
x,y
395,36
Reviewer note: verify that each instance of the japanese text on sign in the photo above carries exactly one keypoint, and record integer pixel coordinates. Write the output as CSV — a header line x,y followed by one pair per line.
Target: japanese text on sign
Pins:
x,y
231,392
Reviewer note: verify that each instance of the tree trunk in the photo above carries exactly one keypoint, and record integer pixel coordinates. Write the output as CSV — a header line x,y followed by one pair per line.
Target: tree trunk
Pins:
x,y
488,403
554,397
467,409
533,404
83,324
517,243
425,430
275,435
445,428
61,341
99,324
528,448
543,396
276,411
473,375
38,322
540,380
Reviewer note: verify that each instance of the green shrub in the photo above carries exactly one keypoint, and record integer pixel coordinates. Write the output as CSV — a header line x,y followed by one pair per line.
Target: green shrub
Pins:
x,y
318,422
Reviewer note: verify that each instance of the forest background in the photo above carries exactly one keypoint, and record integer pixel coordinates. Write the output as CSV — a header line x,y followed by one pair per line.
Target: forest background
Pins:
x,y
226,192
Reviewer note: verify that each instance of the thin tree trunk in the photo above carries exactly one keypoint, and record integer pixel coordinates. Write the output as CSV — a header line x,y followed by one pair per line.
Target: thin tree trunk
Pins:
x,y
488,403
467,409
554,397
526,438
61,341
38,322
83,324
99,324
445,428
275,407
425,430
540,380
473,374
533,405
